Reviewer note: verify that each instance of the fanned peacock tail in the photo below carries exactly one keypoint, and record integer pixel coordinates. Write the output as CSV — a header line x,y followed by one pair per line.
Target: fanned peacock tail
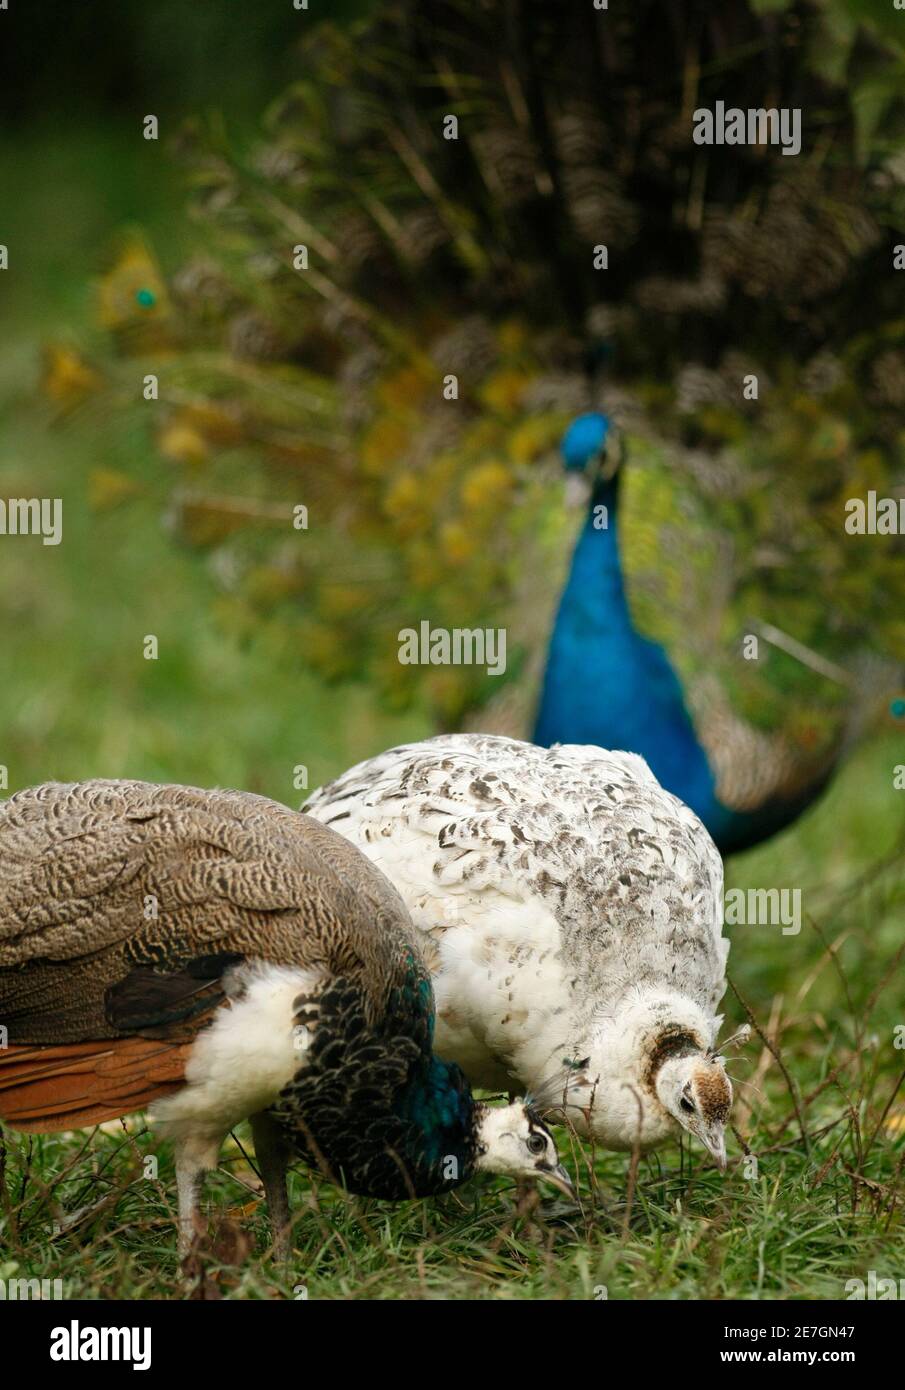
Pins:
x,y
474,257
744,561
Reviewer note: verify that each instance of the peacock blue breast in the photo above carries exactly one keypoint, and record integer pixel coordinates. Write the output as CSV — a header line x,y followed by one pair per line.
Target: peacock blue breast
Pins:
x,y
607,684
435,1104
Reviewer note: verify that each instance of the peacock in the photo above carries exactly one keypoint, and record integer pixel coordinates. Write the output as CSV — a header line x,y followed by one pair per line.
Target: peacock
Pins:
x,y
471,229
609,683
218,957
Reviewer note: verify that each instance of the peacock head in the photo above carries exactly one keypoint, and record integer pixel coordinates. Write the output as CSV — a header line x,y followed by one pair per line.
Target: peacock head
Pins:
x,y
585,441
588,454
513,1139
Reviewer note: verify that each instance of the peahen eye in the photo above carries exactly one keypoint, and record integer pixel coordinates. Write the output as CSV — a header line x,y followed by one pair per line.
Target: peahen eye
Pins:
x,y
537,1144
686,1105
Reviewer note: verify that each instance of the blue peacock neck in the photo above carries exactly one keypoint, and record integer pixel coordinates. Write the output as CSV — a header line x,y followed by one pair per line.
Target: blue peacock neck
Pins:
x,y
608,685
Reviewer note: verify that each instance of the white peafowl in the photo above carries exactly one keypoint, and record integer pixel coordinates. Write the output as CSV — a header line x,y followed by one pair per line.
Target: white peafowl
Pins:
x,y
571,912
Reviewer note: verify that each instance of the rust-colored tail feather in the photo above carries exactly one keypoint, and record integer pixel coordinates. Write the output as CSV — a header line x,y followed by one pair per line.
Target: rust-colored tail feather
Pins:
x,y
73,1085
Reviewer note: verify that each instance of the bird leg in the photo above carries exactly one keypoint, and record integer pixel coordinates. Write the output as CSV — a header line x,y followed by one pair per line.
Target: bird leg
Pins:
x,y
189,1179
273,1152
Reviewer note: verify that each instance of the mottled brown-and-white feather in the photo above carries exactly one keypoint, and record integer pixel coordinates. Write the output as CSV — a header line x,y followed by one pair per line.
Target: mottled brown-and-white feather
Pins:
x,y
221,957
102,880
573,908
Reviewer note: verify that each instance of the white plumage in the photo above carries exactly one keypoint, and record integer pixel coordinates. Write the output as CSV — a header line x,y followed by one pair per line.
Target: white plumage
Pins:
x,y
571,907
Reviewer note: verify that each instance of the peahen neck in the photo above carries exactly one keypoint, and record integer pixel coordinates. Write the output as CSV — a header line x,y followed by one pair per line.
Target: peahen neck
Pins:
x,y
608,685
373,1108
434,1115
422,1144
438,1128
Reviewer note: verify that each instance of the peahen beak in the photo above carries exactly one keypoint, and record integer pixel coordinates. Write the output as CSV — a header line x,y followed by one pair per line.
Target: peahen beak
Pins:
x,y
557,1176
715,1143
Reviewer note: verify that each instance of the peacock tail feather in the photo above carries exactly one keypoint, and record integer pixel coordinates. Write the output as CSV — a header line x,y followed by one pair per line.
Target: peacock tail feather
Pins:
x,y
428,258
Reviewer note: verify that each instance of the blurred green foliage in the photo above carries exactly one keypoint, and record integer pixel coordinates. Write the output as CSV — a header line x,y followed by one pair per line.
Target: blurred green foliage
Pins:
x,y
474,257
77,698
77,60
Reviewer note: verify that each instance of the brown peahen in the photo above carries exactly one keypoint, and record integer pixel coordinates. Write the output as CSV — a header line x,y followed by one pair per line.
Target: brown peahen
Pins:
x,y
216,956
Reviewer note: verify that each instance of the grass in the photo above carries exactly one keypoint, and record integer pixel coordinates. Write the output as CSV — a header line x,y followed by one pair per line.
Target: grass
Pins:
x,y
227,706
812,1213
799,1225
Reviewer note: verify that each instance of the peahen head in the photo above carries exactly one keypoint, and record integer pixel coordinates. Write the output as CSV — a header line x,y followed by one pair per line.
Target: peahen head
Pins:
x,y
447,1135
691,1084
512,1139
696,1091
652,1068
